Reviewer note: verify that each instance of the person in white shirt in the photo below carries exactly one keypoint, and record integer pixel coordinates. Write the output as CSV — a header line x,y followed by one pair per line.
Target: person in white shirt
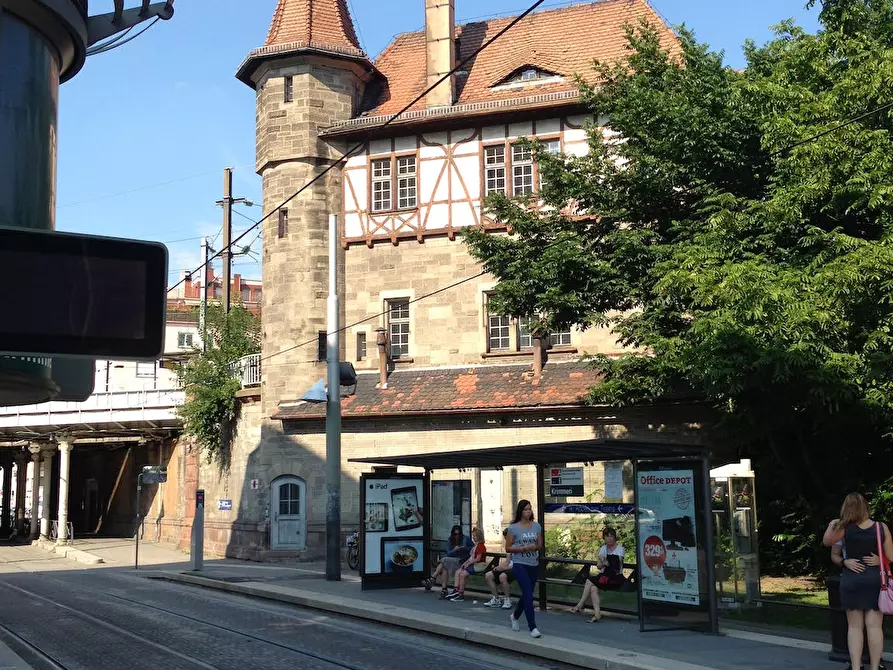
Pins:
x,y
610,576
502,574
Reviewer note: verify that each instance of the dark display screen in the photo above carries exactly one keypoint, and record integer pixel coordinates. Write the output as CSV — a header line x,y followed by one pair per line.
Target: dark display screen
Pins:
x,y
82,295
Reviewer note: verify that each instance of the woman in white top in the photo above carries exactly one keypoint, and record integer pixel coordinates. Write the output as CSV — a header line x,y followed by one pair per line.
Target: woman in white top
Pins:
x,y
610,564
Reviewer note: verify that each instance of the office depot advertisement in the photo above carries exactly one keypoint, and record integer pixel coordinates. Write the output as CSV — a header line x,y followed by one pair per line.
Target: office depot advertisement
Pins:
x,y
668,536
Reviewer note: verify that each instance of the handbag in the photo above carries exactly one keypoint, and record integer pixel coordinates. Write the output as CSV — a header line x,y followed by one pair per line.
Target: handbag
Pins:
x,y
885,597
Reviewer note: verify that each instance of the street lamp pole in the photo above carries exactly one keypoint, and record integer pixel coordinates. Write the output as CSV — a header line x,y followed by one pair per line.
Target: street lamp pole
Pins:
x,y
333,416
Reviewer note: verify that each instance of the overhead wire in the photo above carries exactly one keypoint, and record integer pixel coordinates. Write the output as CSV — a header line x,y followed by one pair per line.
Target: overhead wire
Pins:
x,y
460,66
112,47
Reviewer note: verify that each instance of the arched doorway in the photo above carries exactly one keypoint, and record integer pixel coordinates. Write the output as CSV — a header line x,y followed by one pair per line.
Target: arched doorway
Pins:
x,y
288,523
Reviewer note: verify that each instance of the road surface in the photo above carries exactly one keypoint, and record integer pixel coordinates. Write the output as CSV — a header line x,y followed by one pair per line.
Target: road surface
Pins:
x,y
106,619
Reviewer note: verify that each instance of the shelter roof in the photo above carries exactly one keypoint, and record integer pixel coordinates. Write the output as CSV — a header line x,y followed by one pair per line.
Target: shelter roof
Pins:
x,y
578,451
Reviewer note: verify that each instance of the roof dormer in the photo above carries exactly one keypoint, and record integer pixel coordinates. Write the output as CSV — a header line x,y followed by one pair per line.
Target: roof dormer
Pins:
x,y
527,75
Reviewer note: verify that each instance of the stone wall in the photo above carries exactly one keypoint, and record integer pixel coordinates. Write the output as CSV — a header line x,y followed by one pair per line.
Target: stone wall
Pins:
x,y
446,329
263,451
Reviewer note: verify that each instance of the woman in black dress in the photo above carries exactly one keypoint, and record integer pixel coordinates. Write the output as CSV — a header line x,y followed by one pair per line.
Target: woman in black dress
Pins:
x,y
860,580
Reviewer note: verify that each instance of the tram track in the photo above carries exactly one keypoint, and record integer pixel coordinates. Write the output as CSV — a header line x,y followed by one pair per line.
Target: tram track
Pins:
x,y
213,598
203,627
46,659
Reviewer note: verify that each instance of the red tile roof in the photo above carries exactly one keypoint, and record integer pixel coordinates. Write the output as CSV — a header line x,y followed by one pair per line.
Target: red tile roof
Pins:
x,y
319,23
563,41
481,388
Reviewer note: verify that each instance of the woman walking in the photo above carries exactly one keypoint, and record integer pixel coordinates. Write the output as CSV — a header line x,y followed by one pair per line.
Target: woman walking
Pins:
x,y
860,580
523,541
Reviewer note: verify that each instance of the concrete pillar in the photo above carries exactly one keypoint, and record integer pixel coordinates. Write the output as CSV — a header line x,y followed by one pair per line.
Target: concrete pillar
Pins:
x,y
35,490
7,521
21,482
45,484
64,467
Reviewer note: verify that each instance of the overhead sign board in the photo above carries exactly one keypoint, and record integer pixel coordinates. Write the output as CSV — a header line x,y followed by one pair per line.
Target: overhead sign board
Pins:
x,y
566,482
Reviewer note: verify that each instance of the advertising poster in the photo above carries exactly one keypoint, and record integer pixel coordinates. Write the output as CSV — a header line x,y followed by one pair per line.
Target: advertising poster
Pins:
x,y
613,482
393,540
668,536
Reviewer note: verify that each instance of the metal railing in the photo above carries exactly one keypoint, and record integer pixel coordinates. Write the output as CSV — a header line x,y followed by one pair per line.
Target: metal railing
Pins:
x,y
96,405
247,370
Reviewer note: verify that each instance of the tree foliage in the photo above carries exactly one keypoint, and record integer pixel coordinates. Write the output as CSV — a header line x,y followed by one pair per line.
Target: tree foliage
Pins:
x,y
742,258
210,381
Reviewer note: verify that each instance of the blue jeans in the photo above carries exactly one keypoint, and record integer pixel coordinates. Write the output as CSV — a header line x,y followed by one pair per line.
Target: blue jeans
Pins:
x,y
526,576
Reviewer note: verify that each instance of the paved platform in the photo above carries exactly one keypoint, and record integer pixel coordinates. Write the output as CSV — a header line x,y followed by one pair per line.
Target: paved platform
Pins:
x,y
614,643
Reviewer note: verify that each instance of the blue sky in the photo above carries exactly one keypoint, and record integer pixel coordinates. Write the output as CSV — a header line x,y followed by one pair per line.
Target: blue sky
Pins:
x,y
146,130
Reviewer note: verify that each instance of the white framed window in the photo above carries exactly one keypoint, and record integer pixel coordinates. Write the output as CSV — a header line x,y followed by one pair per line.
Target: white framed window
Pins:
x,y
550,147
525,339
382,198
559,338
522,170
494,164
407,183
398,327
499,328
145,370
185,340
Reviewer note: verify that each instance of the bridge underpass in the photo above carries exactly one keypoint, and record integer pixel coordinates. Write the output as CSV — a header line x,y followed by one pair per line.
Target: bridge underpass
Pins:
x,y
70,468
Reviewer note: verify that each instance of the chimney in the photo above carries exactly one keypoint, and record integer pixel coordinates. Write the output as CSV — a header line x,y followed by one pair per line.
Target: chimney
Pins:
x,y
381,339
440,48
539,356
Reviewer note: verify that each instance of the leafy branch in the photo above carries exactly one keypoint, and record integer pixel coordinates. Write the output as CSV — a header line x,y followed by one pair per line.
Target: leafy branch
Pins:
x,y
209,411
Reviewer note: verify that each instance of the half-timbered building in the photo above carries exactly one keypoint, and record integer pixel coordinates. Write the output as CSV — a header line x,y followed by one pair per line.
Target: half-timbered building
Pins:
x,y
437,369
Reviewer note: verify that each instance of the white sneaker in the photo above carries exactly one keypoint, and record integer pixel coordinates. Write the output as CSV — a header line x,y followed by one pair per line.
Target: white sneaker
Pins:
x,y
515,626
493,602
506,603
535,633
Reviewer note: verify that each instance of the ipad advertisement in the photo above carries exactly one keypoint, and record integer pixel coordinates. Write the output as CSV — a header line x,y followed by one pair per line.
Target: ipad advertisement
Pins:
x,y
393,526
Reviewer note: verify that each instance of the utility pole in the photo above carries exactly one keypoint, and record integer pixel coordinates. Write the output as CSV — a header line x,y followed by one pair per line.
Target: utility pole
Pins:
x,y
227,235
203,314
333,416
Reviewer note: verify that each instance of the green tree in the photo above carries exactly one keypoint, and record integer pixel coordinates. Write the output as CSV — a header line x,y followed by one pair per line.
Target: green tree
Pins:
x,y
744,259
210,382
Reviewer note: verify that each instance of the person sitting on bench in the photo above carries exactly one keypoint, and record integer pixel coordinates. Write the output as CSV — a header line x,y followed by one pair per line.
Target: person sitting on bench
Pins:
x,y
610,577
502,574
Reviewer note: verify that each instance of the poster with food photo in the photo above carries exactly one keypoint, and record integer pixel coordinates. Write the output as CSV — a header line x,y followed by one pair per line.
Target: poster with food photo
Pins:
x,y
376,517
401,554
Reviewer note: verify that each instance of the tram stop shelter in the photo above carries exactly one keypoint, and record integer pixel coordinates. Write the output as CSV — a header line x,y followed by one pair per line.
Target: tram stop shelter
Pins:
x,y
674,565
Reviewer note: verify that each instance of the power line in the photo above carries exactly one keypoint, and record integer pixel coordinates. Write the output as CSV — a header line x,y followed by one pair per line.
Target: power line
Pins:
x,y
140,188
390,120
111,46
833,129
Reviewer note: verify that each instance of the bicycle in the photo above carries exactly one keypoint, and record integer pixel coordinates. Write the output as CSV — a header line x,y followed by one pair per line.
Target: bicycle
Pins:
x,y
353,551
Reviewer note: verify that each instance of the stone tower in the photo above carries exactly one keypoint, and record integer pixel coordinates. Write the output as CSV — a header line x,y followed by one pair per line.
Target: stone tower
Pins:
x,y
310,73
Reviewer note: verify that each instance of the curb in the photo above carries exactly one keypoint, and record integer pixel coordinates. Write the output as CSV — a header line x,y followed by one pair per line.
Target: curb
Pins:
x,y
556,649
68,552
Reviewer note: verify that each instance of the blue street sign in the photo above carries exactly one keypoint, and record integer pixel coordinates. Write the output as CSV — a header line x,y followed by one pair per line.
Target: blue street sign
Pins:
x,y
225,505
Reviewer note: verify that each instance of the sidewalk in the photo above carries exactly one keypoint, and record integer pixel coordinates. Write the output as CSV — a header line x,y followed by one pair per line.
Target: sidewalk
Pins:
x,y
614,643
